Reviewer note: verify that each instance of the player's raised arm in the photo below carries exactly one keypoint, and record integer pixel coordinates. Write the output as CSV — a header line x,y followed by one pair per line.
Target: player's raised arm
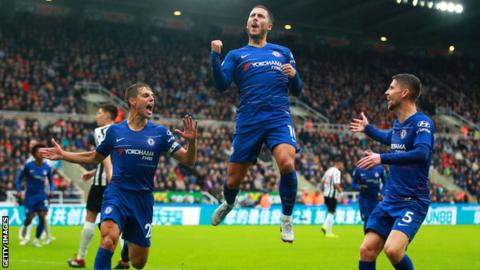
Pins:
x,y
295,83
57,153
359,125
187,156
222,72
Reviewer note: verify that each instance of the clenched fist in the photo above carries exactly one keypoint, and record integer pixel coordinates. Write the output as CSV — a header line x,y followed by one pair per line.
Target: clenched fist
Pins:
x,y
217,46
289,70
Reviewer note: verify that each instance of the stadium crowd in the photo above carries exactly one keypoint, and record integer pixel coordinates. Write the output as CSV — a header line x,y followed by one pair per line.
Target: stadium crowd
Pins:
x,y
351,82
39,69
319,149
461,160
15,138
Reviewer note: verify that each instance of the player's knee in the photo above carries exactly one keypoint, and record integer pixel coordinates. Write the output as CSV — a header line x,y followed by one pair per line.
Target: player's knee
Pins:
x,y
42,215
234,179
41,220
109,241
27,222
91,216
139,263
232,185
287,166
393,253
367,252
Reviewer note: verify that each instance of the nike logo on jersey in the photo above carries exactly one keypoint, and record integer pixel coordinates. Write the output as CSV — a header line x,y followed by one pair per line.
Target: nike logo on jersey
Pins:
x,y
120,139
243,56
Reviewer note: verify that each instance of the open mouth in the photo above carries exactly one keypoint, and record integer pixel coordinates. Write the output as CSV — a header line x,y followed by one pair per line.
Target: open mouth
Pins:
x,y
389,101
149,108
255,26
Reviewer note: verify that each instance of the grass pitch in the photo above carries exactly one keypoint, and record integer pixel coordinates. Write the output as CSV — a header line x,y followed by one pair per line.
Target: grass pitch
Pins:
x,y
259,247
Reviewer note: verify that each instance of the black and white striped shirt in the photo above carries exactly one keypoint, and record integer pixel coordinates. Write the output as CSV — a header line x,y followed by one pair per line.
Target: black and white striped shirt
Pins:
x,y
100,178
330,178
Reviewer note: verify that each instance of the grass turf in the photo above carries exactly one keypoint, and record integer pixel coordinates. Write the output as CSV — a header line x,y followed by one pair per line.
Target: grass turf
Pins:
x,y
259,247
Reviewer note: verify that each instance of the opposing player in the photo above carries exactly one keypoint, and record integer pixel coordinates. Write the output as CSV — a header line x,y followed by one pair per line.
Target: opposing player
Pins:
x,y
135,146
394,222
264,73
35,198
369,183
105,117
332,188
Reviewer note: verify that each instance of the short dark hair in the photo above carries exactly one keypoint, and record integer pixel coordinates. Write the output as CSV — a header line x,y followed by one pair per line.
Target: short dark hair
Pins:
x,y
411,82
132,91
110,109
270,14
36,147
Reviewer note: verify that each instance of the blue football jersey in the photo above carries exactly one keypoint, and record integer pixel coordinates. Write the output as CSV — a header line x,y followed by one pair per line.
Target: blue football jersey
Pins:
x,y
410,180
35,176
135,154
263,87
369,181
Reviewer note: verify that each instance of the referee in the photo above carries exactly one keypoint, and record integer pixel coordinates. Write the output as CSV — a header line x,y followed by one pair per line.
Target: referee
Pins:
x,y
105,117
331,192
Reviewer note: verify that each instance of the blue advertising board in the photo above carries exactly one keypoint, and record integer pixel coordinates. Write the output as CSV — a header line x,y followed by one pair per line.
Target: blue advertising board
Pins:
x,y
199,214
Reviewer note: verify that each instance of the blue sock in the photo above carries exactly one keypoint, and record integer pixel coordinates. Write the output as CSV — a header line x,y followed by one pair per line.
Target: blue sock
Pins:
x,y
124,253
366,265
404,264
288,192
103,260
230,194
40,227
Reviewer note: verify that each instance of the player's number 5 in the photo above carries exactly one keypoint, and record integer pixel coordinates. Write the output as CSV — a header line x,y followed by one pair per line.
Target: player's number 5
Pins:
x,y
148,228
407,218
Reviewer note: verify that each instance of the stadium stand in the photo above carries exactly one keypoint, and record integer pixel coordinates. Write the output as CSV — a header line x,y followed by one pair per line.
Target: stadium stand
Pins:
x,y
43,67
319,148
39,69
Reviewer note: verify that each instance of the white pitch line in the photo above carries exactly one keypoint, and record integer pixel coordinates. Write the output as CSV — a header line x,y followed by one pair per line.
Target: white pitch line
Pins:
x,y
65,264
